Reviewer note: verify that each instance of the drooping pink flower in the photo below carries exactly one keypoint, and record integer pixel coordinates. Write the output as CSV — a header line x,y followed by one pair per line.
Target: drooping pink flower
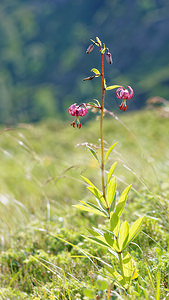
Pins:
x,y
77,110
124,94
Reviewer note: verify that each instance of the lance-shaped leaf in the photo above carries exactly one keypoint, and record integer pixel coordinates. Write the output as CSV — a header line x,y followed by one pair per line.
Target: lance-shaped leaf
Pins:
x,y
119,281
95,191
111,171
98,40
96,71
99,231
122,201
111,87
96,43
114,223
111,241
100,208
109,151
93,153
113,252
91,103
88,181
93,232
98,103
123,235
113,204
109,238
97,194
111,190
135,229
87,207
128,267
98,240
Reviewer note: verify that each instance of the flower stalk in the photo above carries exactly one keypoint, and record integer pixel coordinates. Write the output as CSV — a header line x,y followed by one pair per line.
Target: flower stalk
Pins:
x,y
101,132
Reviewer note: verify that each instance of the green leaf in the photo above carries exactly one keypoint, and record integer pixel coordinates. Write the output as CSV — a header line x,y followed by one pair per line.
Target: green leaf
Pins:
x,y
109,151
111,191
114,223
111,87
111,241
111,171
113,252
91,103
98,240
96,71
135,229
97,194
122,201
115,275
98,40
96,207
128,267
123,235
91,210
88,181
113,204
116,229
98,103
93,232
93,153
94,190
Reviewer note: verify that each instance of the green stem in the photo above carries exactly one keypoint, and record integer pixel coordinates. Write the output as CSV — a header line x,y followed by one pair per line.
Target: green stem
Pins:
x,y
101,133
121,265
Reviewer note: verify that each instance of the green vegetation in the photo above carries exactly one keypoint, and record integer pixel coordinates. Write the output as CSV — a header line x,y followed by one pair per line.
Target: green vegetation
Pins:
x,y
40,168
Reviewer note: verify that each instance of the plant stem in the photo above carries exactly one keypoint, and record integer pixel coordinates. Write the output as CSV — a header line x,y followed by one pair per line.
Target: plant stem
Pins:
x,y
101,133
121,265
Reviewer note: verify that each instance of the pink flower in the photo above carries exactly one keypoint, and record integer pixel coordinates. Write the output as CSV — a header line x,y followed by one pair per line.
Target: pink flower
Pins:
x,y
77,110
124,94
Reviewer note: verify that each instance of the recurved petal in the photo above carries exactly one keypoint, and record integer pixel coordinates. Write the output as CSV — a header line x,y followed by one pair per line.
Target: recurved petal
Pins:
x,y
130,96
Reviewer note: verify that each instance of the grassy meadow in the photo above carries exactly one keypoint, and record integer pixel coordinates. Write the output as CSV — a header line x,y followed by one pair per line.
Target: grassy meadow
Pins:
x,y
40,181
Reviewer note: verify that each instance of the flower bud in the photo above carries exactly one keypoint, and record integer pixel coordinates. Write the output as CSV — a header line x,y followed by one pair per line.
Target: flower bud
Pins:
x,y
90,49
109,57
89,78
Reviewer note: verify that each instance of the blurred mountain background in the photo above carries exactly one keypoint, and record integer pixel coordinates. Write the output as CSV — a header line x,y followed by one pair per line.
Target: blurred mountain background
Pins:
x,y
43,59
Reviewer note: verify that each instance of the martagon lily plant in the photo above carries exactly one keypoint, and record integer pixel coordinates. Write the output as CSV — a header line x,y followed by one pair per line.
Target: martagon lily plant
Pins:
x,y
117,235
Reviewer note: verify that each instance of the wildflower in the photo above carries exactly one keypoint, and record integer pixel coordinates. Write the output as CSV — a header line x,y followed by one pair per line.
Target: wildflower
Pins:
x,y
90,49
77,110
109,57
124,94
